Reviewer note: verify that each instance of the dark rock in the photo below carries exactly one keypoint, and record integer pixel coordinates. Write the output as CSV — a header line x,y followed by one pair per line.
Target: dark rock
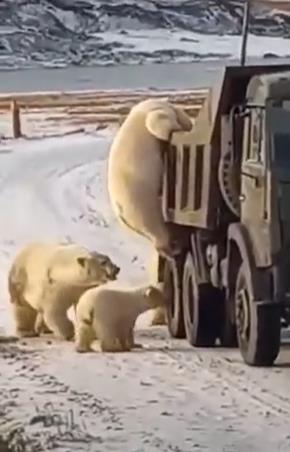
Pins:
x,y
270,55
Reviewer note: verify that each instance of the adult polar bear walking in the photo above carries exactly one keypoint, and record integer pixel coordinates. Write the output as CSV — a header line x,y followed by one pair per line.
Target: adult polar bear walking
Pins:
x,y
135,168
46,279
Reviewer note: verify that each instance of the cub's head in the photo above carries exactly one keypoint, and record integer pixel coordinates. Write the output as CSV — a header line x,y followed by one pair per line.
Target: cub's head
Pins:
x,y
154,296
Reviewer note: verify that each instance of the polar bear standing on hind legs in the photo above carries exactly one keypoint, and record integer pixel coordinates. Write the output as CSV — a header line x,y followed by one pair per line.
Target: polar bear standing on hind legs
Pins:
x,y
108,314
45,280
135,169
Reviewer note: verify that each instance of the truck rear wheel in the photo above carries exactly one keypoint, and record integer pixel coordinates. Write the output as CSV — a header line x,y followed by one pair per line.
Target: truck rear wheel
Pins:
x,y
172,289
258,325
227,333
199,308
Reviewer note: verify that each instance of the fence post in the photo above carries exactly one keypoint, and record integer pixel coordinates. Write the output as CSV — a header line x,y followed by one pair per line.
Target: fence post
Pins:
x,y
16,124
245,32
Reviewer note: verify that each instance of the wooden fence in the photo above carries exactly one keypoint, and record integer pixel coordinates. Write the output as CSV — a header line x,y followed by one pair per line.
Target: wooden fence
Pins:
x,y
53,113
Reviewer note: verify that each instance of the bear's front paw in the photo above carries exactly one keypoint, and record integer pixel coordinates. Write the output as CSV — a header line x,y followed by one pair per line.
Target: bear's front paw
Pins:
x,y
67,337
137,345
24,333
82,349
175,248
65,333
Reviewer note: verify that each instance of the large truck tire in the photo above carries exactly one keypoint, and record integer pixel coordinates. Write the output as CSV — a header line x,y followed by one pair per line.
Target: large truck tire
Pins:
x,y
258,325
199,308
172,290
227,328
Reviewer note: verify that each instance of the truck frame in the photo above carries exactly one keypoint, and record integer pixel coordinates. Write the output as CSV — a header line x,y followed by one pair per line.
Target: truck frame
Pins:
x,y
225,197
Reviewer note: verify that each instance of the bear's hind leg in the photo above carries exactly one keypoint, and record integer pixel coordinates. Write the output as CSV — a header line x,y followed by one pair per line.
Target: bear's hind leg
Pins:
x,y
159,316
58,322
131,340
111,345
83,337
109,339
40,326
114,339
124,338
24,317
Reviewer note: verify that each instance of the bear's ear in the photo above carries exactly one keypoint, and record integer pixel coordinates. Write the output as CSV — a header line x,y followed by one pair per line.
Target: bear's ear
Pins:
x,y
161,124
101,258
149,291
183,119
82,261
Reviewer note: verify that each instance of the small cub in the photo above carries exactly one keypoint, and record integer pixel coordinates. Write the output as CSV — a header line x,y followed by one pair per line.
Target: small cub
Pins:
x,y
108,314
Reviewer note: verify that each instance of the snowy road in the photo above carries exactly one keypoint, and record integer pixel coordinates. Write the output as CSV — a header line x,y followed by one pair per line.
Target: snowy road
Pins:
x,y
166,397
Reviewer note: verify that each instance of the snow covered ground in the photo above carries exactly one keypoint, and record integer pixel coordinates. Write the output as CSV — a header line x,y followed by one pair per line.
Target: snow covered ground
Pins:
x,y
167,397
189,46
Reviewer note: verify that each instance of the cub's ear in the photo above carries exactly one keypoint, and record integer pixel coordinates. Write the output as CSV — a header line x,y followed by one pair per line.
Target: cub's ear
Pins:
x,y
82,261
160,123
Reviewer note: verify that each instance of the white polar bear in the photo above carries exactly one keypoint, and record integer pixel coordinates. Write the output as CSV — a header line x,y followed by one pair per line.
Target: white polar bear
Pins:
x,y
154,268
45,280
135,168
108,314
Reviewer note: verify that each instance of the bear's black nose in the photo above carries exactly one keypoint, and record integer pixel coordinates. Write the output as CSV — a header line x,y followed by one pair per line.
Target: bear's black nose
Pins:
x,y
117,271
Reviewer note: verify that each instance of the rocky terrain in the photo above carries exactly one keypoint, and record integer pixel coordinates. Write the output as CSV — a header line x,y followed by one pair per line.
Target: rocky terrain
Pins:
x,y
58,33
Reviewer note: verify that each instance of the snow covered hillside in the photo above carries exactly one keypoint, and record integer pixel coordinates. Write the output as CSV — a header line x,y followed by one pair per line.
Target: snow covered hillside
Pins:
x,y
58,33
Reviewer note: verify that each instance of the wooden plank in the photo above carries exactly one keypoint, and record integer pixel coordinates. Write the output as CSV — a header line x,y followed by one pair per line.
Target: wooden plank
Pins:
x,y
46,114
90,98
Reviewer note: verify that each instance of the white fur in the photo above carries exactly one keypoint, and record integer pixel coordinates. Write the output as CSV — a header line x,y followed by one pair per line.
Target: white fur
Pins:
x,y
108,314
159,315
135,168
45,280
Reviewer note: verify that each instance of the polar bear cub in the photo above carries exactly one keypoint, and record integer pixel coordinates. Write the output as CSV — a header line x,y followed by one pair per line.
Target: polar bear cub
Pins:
x,y
135,168
108,314
46,279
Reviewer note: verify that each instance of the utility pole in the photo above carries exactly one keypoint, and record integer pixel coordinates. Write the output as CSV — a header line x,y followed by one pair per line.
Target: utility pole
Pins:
x,y
245,32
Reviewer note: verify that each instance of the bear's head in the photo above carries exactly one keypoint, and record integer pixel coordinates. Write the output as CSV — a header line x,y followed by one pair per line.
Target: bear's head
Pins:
x,y
85,269
162,118
105,266
154,296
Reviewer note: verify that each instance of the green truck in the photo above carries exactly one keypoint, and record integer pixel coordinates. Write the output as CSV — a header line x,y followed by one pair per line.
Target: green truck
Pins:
x,y
226,198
